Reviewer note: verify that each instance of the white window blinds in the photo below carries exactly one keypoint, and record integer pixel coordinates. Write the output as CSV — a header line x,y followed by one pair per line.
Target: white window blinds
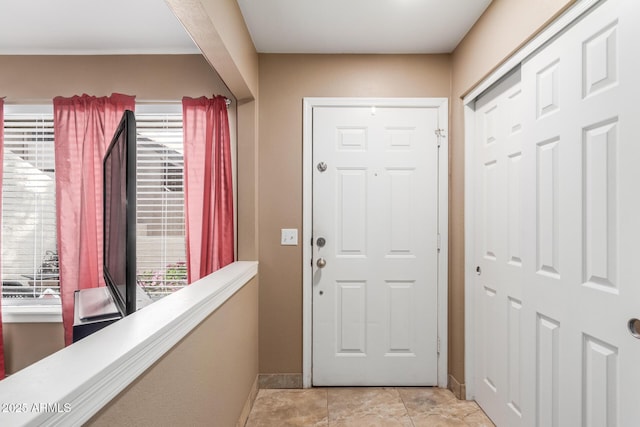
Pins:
x,y
160,204
29,253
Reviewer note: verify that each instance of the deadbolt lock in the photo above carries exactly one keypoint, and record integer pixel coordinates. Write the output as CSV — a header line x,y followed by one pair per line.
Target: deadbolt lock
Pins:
x,y
322,166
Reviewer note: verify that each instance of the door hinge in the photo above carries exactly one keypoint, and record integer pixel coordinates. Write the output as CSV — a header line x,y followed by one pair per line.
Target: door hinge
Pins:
x,y
440,133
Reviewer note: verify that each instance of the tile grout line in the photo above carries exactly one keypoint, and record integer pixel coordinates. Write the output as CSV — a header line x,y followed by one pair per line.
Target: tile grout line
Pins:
x,y
326,390
405,407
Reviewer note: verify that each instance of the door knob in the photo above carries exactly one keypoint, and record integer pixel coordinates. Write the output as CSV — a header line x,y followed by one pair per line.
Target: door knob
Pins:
x,y
321,262
634,327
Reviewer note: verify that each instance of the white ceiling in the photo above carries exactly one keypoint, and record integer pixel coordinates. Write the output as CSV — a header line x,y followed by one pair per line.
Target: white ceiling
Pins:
x,y
359,26
83,27
90,27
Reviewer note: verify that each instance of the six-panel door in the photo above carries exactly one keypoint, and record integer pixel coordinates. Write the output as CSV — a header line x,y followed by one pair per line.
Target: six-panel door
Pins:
x,y
375,203
554,301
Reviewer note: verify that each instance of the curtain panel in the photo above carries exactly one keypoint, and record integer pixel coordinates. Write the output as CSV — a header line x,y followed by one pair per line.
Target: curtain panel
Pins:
x,y
2,368
83,128
208,186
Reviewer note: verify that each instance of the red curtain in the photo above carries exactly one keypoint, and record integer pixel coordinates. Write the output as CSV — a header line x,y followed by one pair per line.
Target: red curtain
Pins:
x,y
208,186
83,128
2,371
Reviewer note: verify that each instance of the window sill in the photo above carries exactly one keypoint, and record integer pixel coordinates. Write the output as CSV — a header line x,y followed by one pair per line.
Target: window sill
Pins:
x,y
31,311
73,384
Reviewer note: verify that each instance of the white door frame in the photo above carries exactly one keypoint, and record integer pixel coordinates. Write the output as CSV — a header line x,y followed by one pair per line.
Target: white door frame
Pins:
x,y
576,11
443,210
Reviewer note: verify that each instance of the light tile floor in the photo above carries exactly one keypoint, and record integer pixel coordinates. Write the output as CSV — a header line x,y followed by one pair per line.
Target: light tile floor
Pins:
x,y
364,406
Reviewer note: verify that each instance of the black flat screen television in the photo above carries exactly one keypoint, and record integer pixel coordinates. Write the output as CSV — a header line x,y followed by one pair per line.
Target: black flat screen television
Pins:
x,y
119,221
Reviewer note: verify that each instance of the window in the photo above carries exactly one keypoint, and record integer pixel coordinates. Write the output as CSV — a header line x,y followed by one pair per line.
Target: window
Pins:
x,y
29,253
160,241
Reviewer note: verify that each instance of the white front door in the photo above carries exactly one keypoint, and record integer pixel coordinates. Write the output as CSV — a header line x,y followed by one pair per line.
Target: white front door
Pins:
x,y
375,246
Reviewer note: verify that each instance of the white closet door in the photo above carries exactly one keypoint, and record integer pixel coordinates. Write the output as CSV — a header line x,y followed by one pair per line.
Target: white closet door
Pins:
x,y
498,287
581,163
557,343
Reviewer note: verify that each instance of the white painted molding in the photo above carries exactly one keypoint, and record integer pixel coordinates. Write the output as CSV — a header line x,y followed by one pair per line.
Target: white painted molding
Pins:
x,y
469,245
158,107
40,108
307,233
78,381
443,258
308,105
32,313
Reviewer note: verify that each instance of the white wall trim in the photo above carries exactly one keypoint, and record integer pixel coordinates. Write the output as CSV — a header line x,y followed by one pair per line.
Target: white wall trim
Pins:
x,y
307,232
81,379
469,246
562,22
41,313
443,258
443,193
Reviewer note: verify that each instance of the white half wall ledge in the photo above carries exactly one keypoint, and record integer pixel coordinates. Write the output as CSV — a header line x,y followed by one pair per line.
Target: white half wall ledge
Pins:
x,y
73,384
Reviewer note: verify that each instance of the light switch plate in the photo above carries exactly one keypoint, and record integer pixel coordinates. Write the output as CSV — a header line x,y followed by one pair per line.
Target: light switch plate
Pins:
x,y
289,237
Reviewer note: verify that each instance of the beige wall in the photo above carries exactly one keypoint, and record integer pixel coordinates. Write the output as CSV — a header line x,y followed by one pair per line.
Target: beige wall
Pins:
x,y
284,81
247,181
217,27
37,79
505,26
219,30
34,79
208,377
26,343
205,379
